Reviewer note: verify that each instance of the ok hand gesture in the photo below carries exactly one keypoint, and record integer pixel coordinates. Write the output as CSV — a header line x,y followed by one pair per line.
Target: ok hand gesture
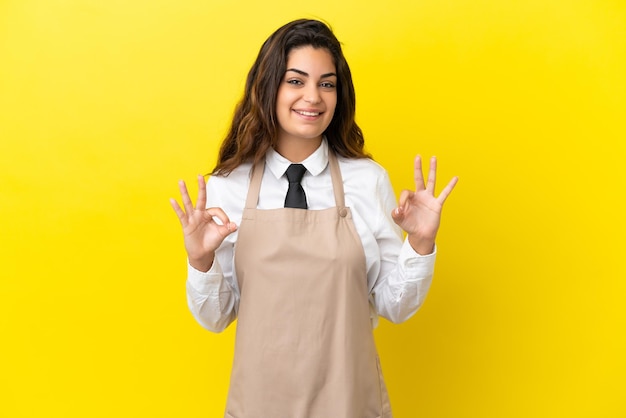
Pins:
x,y
419,211
203,235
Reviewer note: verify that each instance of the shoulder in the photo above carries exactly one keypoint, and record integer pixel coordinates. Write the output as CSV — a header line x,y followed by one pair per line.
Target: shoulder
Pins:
x,y
363,172
227,189
370,194
241,174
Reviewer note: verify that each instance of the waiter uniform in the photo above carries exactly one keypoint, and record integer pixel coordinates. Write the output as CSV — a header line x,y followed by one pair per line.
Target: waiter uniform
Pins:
x,y
304,346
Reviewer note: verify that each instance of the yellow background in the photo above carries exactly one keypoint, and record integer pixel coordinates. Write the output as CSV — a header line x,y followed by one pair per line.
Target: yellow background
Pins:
x,y
105,104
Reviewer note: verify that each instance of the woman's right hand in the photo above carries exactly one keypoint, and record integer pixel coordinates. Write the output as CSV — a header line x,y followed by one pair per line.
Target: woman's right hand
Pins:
x,y
203,235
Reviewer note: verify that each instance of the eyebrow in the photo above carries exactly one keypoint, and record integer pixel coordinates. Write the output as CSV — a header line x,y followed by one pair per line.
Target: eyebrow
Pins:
x,y
295,70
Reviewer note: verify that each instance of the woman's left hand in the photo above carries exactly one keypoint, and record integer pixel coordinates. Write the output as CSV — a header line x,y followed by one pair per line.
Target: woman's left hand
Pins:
x,y
419,211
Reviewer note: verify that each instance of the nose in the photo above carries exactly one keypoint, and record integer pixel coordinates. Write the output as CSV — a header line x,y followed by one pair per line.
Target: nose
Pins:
x,y
312,94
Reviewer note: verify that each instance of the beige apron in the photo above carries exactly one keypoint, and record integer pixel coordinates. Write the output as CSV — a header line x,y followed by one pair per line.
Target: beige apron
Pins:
x,y
304,345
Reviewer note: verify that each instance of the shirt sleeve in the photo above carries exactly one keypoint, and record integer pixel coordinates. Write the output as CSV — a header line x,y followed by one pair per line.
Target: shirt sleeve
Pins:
x,y
213,297
405,276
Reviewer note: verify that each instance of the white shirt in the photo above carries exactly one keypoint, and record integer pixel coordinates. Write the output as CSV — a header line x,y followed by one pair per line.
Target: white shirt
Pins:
x,y
397,277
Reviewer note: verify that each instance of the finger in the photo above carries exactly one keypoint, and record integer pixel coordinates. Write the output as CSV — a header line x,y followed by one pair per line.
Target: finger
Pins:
x,y
398,215
432,175
447,190
201,202
405,196
227,229
418,176
221,215
179,212
185,196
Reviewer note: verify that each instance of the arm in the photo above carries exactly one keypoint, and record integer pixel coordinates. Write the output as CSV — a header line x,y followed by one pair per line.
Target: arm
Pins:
x,y
407,268
210,296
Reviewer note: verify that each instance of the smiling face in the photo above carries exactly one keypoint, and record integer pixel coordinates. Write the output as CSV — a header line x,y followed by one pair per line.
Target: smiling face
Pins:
x,y
306,99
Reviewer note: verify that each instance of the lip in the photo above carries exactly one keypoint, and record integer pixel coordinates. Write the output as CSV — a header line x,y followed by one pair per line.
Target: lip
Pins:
x,y
310,114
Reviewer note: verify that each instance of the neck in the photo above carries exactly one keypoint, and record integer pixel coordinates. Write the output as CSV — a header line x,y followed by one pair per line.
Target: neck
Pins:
x,y
297,149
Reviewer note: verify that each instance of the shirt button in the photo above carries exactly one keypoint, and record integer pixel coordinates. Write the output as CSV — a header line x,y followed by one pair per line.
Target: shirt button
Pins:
x,y
343,212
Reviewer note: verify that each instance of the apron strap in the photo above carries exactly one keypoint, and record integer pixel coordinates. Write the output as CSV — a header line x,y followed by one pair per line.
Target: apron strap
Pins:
x,y
256,175
335,175
255,184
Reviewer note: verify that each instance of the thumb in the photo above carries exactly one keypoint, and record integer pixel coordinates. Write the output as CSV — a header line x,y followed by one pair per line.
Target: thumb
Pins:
x,y
227,229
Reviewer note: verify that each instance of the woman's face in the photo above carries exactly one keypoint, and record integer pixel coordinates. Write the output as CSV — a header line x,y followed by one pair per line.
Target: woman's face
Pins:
x,y
307,95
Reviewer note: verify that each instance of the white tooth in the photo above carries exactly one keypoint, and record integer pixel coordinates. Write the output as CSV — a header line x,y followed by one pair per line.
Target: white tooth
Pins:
x,y
308,113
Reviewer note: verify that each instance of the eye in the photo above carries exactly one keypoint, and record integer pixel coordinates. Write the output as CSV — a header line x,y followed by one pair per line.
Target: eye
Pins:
x,y
295,82
327,85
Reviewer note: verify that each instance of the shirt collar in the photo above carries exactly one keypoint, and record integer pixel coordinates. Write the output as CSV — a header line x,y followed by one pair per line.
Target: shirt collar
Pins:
x,y
314,163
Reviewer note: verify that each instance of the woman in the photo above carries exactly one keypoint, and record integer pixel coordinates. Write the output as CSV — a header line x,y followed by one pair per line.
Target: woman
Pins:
x,y
296,235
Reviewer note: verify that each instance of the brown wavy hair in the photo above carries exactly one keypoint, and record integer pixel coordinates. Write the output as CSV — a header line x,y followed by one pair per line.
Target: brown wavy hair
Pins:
x,y
254,128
